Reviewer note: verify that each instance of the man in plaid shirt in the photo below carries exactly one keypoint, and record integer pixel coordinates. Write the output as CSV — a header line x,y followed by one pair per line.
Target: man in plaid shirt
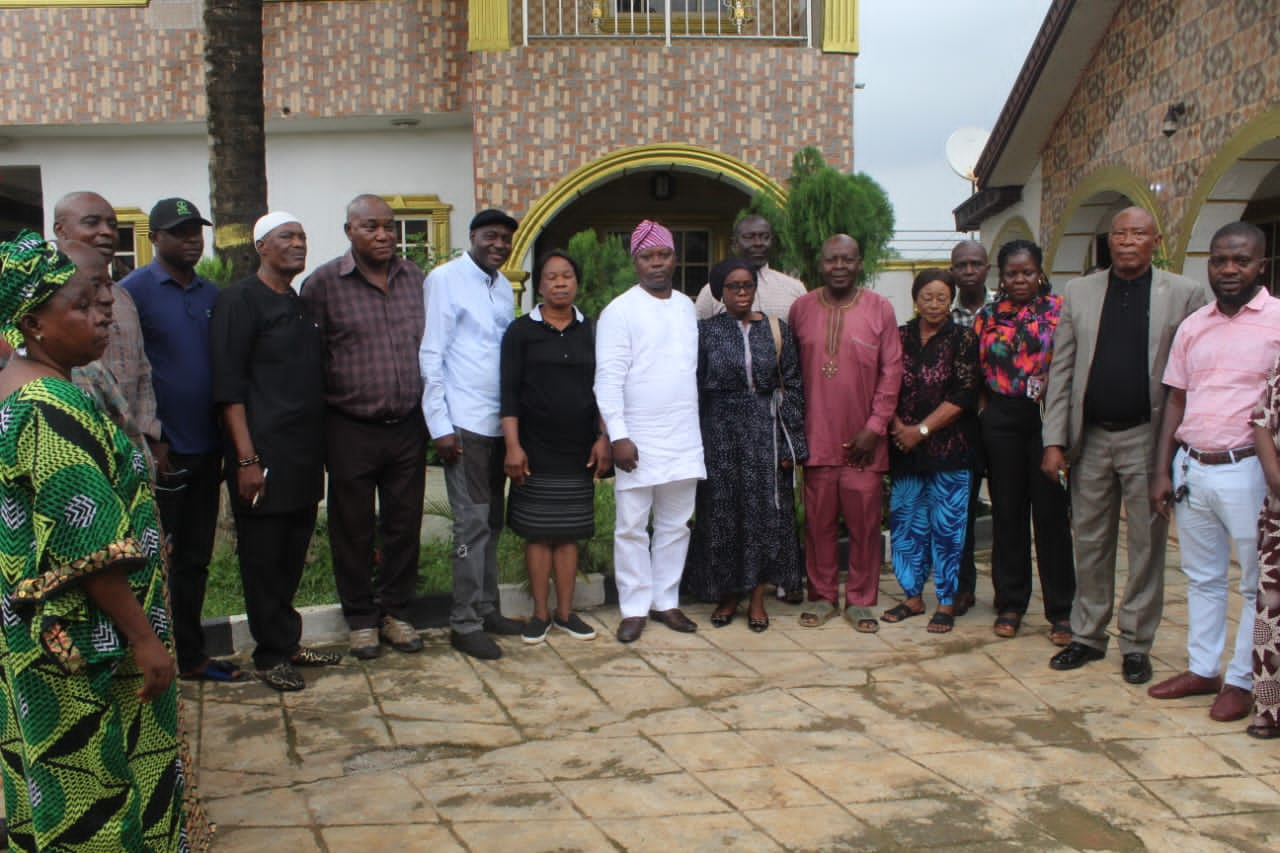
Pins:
x,y
368,306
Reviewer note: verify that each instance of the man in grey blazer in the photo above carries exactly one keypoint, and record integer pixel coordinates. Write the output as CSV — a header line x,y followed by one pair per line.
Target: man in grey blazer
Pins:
x,y
1102,411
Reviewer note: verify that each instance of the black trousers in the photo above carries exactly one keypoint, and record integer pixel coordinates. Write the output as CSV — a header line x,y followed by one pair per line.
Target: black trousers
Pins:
x,y
387,462
188,501
272,550
1022,496
967,578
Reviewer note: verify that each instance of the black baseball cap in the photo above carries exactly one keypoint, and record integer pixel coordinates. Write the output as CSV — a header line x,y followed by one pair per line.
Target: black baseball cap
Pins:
x,y
172,212
492,216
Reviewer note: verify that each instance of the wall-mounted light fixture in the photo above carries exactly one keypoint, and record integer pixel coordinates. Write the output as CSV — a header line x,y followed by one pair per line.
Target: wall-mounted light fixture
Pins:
x,y
661,187
1173,118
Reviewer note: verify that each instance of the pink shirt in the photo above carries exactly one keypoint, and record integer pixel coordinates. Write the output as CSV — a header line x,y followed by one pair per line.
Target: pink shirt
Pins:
x,y
863,392
1222,363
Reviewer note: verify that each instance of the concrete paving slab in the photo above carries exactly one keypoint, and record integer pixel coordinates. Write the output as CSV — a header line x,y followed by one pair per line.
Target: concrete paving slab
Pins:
x,y
792,739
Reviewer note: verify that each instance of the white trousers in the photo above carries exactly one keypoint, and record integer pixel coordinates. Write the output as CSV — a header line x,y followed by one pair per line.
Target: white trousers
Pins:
x,y
1220,510
648,573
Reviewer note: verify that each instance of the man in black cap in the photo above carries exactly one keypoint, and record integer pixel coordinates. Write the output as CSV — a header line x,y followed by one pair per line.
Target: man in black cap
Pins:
x,y
469,304
173,307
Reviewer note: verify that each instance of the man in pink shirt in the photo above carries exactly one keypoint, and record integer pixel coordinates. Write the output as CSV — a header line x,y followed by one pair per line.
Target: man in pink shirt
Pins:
x,y
1207,470
851,360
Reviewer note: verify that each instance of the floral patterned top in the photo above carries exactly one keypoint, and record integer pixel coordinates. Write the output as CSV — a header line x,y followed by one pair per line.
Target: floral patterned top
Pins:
x,y
1015,342
943,370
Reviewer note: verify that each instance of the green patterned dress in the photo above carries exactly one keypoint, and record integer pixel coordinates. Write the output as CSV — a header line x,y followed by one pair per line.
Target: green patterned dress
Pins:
x,y
87,765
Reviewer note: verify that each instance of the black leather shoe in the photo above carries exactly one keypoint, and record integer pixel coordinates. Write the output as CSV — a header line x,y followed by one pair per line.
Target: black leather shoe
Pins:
x,y
1136,668
674,619
1075,656
496,623
478,644
630,629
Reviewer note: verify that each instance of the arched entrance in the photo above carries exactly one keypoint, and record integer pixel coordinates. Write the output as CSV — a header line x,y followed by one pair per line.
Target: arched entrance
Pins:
x,y
694,191
1242,183
1080,243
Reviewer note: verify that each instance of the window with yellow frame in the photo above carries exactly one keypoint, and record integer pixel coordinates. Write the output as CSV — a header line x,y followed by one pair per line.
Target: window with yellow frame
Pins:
x,y
133,243
422,226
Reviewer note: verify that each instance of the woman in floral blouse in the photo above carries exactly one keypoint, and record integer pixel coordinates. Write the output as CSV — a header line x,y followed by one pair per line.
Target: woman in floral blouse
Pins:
x,y
1015,341
929,461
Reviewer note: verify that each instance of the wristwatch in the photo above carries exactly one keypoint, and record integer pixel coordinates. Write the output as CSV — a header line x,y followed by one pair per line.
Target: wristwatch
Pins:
x,y
924,430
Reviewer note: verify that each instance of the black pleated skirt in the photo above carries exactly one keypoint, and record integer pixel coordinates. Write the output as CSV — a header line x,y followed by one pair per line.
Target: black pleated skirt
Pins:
x,y
553,507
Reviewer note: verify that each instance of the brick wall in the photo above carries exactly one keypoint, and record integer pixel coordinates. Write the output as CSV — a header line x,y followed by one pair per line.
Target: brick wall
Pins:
x,y
145,64
554,107
1221,57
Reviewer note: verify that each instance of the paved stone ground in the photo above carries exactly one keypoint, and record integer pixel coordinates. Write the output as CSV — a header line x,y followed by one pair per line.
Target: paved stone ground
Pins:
x,y
795,739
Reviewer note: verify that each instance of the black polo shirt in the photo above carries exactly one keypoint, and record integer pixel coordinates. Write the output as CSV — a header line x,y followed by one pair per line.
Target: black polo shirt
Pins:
x,y
267,354
1119,389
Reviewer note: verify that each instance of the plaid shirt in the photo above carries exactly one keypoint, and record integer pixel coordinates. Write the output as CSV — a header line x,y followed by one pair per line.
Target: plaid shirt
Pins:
x,y
370,337
962,316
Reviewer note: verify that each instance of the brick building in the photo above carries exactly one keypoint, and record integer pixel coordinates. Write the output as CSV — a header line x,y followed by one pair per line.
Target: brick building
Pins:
x,y
568,113
1172,105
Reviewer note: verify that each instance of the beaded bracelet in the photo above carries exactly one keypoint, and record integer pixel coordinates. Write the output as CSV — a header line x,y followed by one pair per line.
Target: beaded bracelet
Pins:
x,y
249,460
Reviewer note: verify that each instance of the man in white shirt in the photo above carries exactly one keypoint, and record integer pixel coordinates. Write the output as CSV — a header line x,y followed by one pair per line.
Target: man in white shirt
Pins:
x,y
469,305
753,241
647,392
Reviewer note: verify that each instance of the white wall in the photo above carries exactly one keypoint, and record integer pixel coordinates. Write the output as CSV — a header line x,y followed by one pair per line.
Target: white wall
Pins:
x,y
312,175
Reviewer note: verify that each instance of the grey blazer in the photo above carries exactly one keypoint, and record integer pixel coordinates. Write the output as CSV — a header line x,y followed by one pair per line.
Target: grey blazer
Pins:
x,y
1173,297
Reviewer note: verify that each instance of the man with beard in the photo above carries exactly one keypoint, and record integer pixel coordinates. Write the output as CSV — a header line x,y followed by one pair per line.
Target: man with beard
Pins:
x,y
753,241
1207,469
469,305
647,392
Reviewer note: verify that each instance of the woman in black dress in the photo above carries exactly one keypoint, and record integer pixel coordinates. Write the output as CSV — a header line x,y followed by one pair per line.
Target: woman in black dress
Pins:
x,y
752,412
554,440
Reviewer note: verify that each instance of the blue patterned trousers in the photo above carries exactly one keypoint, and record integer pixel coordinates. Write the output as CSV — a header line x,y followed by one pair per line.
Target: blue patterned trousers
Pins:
x,y
927,514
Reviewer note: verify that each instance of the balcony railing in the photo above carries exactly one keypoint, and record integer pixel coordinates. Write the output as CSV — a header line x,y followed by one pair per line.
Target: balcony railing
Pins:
x,y
777,20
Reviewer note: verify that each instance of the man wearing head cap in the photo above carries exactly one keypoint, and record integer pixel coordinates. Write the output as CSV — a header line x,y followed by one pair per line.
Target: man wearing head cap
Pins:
x,y
268,382
647,392
469,304
174,305
120,381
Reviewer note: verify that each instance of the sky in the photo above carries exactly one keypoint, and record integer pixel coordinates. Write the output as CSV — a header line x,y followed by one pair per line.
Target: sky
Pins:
x,y
931,67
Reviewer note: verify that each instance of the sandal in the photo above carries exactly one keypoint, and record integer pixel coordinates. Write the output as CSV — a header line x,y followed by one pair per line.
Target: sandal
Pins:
x,y
862,619
282,677
1007,625
900,613
817,614
1262,732
221,671
1060,633
964,601
311,657
758,624
941,622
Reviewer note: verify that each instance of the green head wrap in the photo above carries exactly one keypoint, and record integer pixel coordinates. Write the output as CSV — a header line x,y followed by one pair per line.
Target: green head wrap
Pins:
x,y
31,270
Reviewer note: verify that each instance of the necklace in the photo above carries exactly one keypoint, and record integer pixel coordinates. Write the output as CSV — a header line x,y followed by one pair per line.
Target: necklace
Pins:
x,y
835,328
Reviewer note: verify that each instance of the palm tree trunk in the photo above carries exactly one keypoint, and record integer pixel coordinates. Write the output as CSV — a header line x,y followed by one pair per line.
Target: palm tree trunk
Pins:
x,y
237,127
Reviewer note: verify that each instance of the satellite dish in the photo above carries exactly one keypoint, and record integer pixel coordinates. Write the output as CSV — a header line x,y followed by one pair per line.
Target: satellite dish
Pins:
x,y
964,147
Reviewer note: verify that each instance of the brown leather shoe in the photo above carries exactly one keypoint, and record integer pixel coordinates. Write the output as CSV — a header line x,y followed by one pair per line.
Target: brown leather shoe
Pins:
x,y
1233,703
1185,684
674,619
630,629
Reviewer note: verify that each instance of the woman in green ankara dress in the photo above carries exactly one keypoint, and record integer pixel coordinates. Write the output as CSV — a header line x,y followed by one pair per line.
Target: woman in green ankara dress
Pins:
x,y
89,723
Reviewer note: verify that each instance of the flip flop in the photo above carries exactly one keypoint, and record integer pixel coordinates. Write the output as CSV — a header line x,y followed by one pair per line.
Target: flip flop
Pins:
x,y
941,623
817,614
900,613
863,619
221,671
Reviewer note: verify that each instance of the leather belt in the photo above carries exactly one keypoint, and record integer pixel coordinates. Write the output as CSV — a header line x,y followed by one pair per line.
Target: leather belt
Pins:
x,y
1119,426
376,421
1220,457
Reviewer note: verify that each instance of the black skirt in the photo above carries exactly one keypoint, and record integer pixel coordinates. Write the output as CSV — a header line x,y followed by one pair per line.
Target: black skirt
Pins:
x,y
553,507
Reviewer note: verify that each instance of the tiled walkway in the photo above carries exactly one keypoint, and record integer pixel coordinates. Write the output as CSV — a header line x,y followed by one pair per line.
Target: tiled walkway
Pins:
x,y
795,739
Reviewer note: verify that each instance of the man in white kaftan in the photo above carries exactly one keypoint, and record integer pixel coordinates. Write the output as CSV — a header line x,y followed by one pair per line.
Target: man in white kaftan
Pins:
x,y
646,390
